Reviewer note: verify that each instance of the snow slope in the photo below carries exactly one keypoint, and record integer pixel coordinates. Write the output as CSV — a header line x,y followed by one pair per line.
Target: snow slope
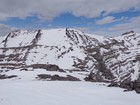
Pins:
x,y
63,93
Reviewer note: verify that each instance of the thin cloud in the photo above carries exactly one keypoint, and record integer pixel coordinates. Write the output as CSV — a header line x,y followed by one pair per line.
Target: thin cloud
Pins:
x,y
107,20
132,24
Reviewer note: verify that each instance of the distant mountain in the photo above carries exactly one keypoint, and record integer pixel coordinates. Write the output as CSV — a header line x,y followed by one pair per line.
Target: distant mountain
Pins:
x,y
69,54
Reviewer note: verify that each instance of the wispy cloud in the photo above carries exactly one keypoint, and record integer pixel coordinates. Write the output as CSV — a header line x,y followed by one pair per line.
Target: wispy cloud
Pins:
x,y
131,24
107,20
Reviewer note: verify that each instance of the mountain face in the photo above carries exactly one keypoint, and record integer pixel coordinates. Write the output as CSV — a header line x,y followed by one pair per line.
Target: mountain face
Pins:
x,y
69,54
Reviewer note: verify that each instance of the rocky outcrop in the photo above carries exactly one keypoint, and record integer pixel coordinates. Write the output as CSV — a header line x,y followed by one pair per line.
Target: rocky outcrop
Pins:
x,y
7,77
94,78
131,85
56,77
48,67
128,85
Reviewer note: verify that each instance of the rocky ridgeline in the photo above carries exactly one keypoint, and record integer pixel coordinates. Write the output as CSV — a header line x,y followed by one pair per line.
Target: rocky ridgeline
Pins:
x,y
114,60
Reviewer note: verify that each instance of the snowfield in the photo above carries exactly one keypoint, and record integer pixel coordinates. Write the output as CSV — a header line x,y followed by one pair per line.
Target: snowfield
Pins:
x,y
64,54
15,92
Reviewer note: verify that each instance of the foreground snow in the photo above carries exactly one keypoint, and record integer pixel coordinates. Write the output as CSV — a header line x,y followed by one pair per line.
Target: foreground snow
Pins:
x,y
15,92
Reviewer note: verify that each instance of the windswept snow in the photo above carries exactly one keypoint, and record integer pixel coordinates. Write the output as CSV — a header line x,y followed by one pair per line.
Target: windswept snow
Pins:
x,y
63,93
53,37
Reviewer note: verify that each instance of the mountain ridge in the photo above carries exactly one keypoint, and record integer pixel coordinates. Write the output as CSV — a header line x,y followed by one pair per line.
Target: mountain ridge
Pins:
x,y
98,59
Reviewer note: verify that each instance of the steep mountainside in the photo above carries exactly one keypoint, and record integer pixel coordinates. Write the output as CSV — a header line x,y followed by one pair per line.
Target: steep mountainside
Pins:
x,y
72,55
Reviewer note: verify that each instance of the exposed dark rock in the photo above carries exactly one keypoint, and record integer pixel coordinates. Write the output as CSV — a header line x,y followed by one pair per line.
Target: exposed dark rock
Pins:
x,y
137,58
127,84
137,85
24,69
10,64
131,85
71,78
94,78
128,33
2,56
48,67
37,37
80,64
7,77
57,77
113,84
5,41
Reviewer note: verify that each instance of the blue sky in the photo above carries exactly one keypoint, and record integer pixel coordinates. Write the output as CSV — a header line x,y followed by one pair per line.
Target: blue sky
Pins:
x,y
92,16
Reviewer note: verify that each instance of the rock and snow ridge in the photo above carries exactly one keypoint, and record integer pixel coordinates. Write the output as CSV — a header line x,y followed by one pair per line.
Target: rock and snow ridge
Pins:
x,y
69,54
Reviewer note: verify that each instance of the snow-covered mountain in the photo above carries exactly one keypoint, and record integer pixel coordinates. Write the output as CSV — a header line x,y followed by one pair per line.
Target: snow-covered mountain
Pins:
x,y
69,54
